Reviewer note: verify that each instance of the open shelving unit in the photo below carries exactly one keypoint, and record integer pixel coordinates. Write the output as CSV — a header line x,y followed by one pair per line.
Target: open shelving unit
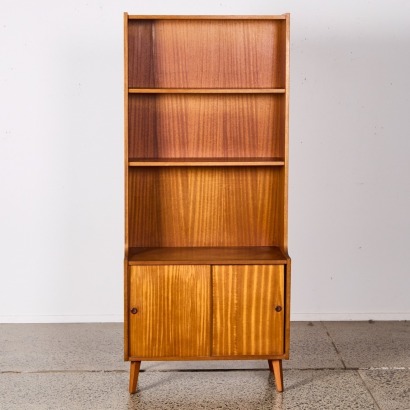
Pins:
x,y
206,171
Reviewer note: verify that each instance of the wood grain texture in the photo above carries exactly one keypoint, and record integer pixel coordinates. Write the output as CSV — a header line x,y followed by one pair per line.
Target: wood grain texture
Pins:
x,y
173,317
206,125
206,53
245,321
204,206
203,255
134,372
278,373
140,54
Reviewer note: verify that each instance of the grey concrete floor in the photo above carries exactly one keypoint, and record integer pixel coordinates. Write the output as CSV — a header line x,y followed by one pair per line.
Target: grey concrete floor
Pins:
x,y
334,365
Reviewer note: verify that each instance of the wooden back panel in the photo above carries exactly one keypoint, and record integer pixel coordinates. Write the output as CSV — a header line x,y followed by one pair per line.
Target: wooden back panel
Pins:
x,y
205,206
206,125
206,53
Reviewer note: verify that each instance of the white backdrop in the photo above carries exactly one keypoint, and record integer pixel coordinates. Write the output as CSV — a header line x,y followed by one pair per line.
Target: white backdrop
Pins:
x,y
61,156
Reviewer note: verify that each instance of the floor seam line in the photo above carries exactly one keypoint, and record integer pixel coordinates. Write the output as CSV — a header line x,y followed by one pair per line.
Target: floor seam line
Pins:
x,y
334,345
60,371
368,390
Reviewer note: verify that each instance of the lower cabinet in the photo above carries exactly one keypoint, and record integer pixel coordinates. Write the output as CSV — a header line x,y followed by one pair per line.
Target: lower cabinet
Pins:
x,y
188,311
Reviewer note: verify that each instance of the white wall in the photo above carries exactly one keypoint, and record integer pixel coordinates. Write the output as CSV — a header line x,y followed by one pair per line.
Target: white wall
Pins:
x,y
61,172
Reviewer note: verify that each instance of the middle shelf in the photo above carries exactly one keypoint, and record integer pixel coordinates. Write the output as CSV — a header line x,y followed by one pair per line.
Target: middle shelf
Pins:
x,y
205,162
207,90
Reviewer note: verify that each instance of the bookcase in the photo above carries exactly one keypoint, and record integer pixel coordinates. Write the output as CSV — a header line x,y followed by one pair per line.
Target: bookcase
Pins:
x,y
207,271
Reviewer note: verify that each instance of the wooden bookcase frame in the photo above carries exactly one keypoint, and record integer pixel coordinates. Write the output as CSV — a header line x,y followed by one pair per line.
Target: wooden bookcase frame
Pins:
x,y
206,267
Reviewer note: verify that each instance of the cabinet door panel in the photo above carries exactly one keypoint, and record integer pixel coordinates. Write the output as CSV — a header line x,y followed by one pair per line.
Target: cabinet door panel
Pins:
x,y
248,310
172,316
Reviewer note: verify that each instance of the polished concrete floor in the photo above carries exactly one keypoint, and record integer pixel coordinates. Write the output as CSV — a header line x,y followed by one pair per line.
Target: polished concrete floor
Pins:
x,y
334,365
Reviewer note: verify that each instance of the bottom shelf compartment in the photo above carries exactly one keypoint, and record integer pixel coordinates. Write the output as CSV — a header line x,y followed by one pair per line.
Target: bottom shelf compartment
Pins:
x,y
253,255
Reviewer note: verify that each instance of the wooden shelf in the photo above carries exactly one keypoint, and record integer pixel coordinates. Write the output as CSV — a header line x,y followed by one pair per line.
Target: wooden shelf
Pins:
x,y
206,17
206,90
205,162
255,255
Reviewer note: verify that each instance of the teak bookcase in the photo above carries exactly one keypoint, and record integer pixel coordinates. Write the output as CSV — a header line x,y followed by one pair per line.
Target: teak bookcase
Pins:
x,y
207,271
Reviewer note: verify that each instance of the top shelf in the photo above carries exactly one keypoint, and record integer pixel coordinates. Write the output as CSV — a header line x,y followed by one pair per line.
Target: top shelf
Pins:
x,y
206,90
205,162
207,17
210,53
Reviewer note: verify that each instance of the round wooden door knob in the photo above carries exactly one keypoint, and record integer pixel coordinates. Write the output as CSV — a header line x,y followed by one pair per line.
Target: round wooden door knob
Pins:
x,y
134,310
278,308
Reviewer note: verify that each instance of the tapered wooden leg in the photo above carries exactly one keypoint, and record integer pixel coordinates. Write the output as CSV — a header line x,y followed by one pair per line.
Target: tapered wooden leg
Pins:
x,y
270,365
134,372
278,373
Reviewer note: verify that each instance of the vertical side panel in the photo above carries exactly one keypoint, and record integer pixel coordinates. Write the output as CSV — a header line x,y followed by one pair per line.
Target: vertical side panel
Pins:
x,y
285,195
287,306
286,151
126,342
126,128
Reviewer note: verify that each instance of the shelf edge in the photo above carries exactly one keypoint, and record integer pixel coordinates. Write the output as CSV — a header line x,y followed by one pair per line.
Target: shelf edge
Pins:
x,y
206,90
204,163
206,17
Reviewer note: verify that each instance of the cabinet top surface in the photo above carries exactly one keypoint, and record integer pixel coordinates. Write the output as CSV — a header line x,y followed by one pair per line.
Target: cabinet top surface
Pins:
x,y
206,17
